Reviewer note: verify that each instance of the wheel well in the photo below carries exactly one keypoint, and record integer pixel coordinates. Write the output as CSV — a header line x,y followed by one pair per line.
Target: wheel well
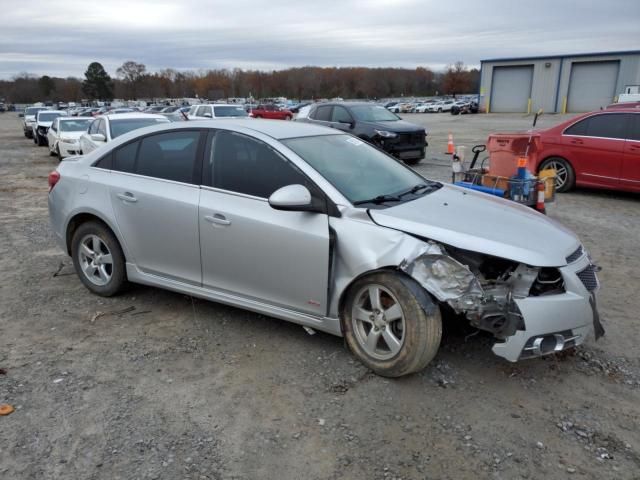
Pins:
x,y
426,300
78,220
555,156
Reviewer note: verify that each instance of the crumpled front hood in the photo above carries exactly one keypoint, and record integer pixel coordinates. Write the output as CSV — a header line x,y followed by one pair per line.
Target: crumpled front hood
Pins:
x,y
483,223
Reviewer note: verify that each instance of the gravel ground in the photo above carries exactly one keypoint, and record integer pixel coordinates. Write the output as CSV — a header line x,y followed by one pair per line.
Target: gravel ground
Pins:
x,y
163,386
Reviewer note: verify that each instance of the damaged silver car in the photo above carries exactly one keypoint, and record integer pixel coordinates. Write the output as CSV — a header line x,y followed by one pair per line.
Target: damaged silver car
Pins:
x,y
315,226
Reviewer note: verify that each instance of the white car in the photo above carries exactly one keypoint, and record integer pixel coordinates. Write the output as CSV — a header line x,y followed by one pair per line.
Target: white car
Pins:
x,y
64,135
442,106
107,127
29,119
216,110
423,108
40,127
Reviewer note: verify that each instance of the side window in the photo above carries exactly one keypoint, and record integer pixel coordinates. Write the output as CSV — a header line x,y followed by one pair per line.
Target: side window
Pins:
x,y
200,111
93,128
323,113
579,128
104,162
54,125
170,155
242,164
124,158
608,126
341,115
635,127
102,127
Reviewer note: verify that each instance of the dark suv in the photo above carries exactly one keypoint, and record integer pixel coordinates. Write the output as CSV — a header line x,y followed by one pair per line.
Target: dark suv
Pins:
x,y
376,125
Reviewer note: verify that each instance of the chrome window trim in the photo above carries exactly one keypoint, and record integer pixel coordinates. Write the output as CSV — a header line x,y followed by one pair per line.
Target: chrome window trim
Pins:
x,y
231,192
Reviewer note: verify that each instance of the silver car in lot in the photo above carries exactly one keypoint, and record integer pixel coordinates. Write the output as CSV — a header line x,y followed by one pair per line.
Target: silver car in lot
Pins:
x,y
314,226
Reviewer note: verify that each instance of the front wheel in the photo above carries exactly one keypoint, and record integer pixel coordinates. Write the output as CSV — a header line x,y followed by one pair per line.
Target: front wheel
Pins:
x,y
98,259
565,176
386,327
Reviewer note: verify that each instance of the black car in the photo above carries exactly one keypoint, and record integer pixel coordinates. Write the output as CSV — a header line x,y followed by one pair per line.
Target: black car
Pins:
x,y
375,124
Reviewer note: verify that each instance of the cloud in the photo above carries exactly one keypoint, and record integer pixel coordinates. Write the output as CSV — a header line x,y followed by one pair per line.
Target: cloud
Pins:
x,y
63,38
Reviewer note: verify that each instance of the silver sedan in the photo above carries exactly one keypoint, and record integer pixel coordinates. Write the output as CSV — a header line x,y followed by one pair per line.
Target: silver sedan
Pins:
x,y
314,226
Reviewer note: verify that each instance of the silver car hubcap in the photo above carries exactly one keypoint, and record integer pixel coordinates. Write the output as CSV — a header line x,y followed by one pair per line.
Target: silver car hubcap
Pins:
x,y
96,261
561,173
378,322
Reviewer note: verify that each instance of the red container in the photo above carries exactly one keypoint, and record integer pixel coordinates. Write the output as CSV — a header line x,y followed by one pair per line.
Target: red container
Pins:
x,y
505,149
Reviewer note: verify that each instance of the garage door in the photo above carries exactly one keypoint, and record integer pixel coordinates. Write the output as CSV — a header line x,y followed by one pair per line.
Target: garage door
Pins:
x,y
592,85
511,88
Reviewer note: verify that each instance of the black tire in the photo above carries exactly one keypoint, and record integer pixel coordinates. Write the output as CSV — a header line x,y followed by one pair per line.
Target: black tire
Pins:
x,y
421,333
439,110
26,134
565,182
53,153
118,277
412,161
40,141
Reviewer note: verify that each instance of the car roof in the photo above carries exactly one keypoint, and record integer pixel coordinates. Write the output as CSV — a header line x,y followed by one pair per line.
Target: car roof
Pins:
x,y
52,111
277,129
118,116
74,118
350,104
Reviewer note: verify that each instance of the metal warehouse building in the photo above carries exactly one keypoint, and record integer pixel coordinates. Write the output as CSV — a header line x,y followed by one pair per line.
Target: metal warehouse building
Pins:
x,y
566,83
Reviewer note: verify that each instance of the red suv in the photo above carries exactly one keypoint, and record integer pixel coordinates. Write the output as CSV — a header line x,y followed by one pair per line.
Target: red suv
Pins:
x,y
271,111
598,149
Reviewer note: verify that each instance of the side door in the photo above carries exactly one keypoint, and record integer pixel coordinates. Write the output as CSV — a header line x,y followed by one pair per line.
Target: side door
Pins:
x,y
630,176
247,247
595,146
154,192
342,119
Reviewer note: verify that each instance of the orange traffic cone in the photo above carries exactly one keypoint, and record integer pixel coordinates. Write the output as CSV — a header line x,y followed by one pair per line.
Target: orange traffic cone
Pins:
x,y
450,147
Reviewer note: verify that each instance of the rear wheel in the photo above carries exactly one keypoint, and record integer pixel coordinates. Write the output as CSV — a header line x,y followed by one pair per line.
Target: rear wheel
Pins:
x,y
98,259
386,327
565,175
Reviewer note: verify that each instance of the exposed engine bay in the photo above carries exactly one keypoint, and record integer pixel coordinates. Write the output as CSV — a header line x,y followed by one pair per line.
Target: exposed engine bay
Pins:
x,y
481,287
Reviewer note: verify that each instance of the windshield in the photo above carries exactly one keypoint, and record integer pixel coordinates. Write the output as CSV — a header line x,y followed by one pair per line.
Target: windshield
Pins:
x,y
229,111
48,117
122,126
74,125
373,113
33,110
356,169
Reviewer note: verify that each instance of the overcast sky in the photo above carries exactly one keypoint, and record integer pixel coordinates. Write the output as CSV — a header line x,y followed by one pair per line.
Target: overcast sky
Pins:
x,y
61,37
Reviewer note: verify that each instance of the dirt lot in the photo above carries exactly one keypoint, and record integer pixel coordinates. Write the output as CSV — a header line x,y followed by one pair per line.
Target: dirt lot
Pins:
x,y
169,387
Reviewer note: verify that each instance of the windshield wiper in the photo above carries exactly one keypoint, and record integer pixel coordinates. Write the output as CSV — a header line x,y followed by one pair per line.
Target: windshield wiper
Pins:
x,y
420,186
379,199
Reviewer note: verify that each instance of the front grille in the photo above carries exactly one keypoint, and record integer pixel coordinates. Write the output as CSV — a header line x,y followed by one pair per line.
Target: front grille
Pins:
x,y
575,255
588,278
417,139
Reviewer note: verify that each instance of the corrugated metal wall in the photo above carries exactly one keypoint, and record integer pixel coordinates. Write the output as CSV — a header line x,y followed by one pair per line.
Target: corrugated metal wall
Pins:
x,y
550,87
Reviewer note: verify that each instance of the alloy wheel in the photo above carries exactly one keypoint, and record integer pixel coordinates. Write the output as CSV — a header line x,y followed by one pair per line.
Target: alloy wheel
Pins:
x,y
378,322
95,258
561,172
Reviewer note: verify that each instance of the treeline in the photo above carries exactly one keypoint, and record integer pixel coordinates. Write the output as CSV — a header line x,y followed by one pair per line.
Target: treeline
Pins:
x,y
132,81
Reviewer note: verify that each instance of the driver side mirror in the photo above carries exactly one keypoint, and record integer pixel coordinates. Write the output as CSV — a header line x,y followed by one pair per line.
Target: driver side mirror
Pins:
x,y
98,137
294,198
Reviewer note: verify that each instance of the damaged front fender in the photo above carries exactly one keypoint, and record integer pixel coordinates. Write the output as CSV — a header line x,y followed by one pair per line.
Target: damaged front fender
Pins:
x,y
489,307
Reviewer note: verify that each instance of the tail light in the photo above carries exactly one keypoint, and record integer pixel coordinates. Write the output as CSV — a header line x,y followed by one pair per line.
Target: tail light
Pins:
x,y
54,177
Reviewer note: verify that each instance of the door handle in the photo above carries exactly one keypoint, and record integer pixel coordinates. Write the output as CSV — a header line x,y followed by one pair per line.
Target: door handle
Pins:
x,y
217,219
127,197
577,142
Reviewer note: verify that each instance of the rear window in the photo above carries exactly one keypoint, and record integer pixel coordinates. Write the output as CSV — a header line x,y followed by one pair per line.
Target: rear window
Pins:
x,y
48,117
